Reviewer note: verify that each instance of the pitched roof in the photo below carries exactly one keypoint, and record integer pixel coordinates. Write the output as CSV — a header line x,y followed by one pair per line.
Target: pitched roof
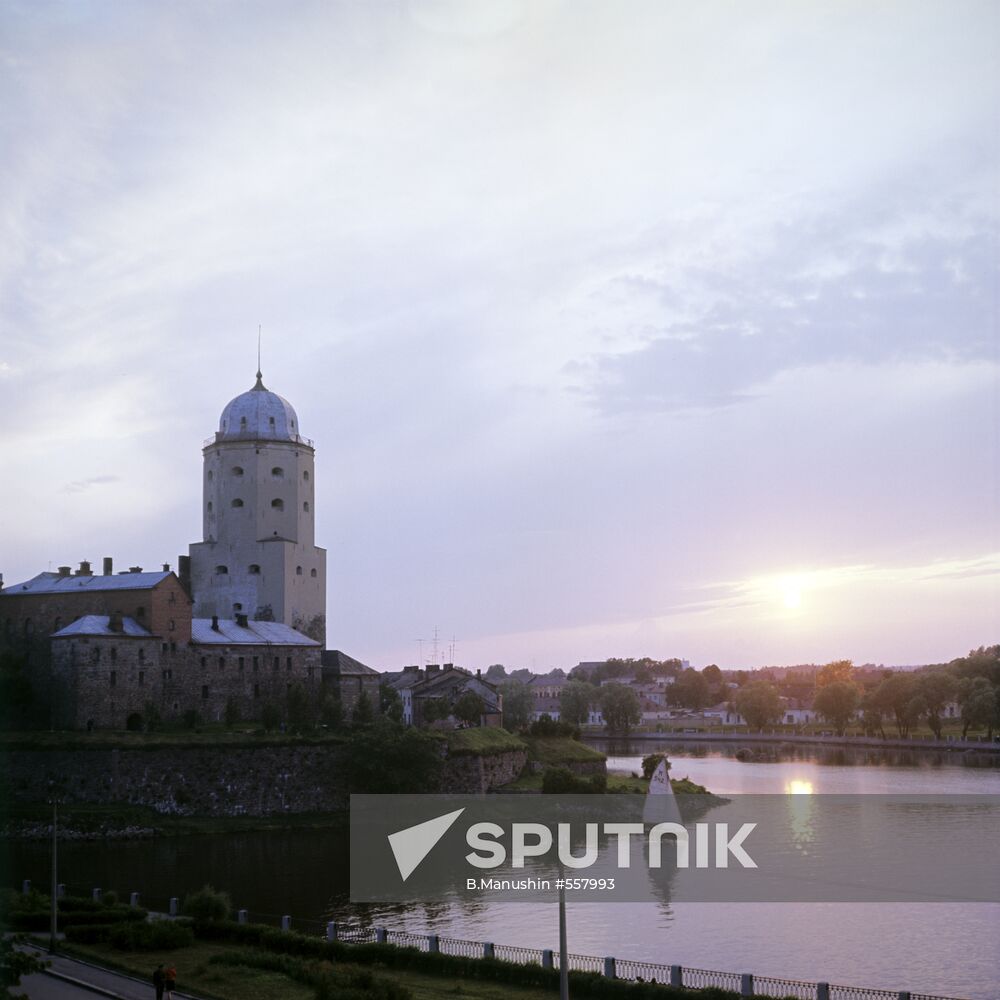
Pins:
x,y
345,665
255,633
53,583
98,625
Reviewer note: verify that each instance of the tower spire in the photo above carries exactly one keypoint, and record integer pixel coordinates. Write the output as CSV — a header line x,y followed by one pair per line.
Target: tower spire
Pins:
x,y
260,378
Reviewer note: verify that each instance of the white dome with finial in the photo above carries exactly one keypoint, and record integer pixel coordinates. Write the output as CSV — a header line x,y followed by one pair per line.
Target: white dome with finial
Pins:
x,y
260,415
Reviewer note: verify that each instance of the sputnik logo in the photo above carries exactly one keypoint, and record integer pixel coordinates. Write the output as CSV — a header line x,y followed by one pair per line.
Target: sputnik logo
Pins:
x,y
412,845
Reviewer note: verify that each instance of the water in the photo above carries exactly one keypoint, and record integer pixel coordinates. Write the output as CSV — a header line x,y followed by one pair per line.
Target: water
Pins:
x,y
945,948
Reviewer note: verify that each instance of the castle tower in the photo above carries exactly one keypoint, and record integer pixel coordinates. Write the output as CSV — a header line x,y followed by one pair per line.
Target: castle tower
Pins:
x,y
259,557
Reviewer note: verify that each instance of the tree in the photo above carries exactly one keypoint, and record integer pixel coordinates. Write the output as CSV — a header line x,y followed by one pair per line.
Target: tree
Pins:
x,y
15,691
207,904
621,708
690,690
363,713
495,673
896,694
433,709
837,671
837,702
389,702
469,707
232,715
270,716
390,758
14,963
518,704
758,702
331,708
299,708
651,762
575,701
936,688
977,702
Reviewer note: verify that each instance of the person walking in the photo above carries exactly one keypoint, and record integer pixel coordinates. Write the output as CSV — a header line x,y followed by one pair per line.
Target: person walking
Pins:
x,y
170,982
158,980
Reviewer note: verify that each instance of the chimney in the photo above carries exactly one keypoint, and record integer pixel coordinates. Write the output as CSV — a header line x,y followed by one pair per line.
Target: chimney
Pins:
x,y
115,622
433,668
64,571
242,621
84,569
414,669
135,569
215,623
479,673
184,572
166,567
109,566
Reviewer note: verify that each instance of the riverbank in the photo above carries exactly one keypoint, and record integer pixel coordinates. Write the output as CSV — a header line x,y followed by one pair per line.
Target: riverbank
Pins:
x,y
682,736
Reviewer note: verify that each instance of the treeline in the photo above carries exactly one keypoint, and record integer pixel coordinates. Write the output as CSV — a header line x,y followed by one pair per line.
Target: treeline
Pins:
x,y
889,701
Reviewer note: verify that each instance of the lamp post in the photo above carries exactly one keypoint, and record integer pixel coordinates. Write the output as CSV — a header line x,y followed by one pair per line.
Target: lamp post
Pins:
x,y
563,958
53,927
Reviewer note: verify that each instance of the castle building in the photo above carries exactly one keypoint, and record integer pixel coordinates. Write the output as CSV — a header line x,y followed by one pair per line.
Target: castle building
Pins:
x,y
259,557
242,624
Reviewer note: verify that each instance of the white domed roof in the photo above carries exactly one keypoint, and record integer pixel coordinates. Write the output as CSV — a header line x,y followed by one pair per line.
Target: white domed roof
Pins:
x,y
259,414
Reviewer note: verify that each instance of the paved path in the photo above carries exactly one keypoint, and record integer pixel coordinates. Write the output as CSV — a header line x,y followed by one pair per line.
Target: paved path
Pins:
x,y
69,979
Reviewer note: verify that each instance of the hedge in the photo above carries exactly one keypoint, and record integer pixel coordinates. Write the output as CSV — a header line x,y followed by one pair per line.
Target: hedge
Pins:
x,y
583,984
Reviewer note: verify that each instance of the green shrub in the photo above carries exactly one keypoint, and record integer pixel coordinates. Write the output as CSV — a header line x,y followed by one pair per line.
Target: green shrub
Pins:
x,y
88,933
207,904
562,781
651,762
160,935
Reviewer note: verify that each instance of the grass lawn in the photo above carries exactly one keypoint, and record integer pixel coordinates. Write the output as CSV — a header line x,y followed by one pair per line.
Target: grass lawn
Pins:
x,y
239,982
553,751
482,740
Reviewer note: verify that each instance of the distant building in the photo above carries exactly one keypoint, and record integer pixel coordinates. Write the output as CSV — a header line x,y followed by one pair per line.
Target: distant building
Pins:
x,y
443,686
350,678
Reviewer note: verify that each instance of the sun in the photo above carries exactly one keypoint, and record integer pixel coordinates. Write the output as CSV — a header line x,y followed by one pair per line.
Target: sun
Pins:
x,y
792,597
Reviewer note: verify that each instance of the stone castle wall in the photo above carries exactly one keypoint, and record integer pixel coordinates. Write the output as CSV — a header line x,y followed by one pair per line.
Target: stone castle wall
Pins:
x,y
225,780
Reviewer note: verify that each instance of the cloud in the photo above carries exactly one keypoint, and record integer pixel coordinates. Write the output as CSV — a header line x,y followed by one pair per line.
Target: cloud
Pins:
x,y
82,485
832,291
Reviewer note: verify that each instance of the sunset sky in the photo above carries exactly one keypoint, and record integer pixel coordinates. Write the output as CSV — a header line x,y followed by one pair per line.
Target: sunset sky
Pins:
x,y
662,328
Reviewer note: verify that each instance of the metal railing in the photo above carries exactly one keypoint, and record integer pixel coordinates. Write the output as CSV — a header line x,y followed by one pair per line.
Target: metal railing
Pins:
x,y
743,984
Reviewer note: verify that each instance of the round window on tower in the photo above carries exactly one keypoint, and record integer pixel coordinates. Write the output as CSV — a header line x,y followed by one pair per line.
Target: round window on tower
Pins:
x,y
237,502
278,504
278,472
237,470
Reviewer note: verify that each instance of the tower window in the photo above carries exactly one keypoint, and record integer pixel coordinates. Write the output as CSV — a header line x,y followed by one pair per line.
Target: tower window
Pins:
x,y
142,677
298,571
221,570
211,475
237,502
278,472
237,470
278,504
270,420
305,506
142,656
204,692
114,654
254,569
305,475
210,506
243,423
222,663
237,606
114,678
312,573
204,661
